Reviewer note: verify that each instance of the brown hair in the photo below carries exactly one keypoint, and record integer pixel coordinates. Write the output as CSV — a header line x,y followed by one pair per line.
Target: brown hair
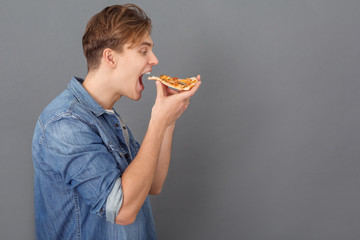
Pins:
x,y
111,28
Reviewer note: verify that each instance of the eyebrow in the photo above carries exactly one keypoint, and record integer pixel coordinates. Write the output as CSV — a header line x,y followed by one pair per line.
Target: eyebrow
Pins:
x,y
147,44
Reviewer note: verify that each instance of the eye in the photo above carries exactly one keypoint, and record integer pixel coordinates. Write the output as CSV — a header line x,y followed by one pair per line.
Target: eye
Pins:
x,y
143,52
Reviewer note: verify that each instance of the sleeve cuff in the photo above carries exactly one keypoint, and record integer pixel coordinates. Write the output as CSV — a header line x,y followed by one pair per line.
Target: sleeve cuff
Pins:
x,y
114,201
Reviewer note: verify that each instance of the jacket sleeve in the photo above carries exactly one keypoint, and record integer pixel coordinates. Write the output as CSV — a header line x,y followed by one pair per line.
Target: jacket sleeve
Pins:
x,y
75,150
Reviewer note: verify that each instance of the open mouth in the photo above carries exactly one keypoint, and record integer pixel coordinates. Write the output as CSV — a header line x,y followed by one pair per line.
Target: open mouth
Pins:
x,y
140,79
141,76
141,85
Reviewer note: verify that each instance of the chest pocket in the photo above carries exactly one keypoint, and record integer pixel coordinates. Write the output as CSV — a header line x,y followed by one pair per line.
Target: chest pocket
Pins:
x,y
121,156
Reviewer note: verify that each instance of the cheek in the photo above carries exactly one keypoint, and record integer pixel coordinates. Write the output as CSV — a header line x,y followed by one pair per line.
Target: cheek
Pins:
x,y
137,65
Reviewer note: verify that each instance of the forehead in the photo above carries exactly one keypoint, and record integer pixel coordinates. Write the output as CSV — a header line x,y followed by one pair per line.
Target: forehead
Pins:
x,y
145,41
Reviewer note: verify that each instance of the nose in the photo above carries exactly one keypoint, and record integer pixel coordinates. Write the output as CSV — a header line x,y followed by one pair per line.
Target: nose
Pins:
x,y
153,60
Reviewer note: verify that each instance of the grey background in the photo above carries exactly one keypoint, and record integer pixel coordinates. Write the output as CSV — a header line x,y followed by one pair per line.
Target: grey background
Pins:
x,y
269,147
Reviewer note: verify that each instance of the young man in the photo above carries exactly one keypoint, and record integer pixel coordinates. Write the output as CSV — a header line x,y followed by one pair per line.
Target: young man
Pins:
x,y
92,179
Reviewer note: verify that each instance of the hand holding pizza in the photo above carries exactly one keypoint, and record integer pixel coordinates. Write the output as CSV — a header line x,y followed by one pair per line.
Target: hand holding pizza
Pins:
x,y
170,104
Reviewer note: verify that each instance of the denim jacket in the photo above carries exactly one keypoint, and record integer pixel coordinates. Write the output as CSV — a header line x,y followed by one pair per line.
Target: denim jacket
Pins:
x,y
79,155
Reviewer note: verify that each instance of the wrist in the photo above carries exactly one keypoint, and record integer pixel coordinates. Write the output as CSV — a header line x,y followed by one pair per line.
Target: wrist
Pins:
x,y
155,125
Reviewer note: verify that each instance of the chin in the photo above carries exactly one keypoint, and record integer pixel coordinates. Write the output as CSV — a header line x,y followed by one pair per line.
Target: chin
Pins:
x,y
136,97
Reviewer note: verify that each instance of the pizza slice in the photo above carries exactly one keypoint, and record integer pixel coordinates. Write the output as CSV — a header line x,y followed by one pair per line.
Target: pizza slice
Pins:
x,y
177,83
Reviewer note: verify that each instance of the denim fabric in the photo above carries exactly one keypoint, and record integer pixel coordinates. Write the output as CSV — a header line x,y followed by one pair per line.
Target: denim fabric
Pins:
x,y
79,154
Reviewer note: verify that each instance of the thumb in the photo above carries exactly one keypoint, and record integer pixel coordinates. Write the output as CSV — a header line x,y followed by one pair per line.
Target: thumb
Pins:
x,y
160,89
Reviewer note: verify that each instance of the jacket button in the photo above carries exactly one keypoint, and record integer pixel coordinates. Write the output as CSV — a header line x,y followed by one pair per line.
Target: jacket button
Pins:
x,y
117,125
124,127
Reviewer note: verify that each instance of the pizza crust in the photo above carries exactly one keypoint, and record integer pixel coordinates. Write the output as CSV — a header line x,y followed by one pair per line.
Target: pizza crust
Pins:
x,y
182,85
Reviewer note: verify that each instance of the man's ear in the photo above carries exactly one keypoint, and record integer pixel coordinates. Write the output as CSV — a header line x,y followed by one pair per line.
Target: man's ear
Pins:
x,y
109,57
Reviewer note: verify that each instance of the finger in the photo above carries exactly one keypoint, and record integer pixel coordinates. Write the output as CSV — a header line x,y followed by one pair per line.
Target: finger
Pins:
x,y
160,89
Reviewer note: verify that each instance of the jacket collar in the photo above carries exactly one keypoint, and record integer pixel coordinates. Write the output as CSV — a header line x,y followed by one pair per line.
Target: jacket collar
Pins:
x,y
75,86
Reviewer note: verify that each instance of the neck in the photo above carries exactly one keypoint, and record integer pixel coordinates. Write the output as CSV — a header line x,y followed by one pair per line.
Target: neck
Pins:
x,y
97,84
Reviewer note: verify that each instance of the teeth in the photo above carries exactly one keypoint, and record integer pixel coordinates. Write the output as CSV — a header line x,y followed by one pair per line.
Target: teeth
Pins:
x,y
148,73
